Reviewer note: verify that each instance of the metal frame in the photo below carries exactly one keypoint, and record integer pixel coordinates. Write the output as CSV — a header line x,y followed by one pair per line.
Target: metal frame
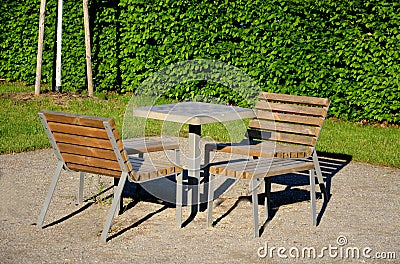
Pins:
x,y
50,193
254,185
318,174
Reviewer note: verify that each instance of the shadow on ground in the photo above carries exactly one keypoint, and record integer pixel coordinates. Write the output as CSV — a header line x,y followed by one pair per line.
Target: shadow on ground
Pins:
x,y
331,164
292,193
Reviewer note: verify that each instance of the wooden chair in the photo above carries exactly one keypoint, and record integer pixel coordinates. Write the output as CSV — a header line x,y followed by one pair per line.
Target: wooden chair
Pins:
x,y
283,135
88,144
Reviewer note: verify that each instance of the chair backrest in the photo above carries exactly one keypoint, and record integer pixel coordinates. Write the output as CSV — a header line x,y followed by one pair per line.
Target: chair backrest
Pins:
x,y
289,119
86,143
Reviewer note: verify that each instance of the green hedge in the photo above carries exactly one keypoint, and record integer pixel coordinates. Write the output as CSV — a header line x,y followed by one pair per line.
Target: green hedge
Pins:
x,y
348,51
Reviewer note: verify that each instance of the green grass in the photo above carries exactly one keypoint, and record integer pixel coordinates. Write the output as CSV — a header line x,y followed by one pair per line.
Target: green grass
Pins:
x,y
21,130
20,127
366,143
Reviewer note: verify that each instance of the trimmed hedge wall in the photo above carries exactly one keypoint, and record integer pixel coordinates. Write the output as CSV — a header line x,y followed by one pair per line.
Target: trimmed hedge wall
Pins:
x,y
348,51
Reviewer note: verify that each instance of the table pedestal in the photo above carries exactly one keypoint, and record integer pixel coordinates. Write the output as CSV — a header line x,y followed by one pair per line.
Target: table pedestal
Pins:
x,y
194,165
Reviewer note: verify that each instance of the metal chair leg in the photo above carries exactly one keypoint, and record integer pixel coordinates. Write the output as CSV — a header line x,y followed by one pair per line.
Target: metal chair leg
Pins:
x,y
267,200
319,174
207,153
177,156
50,193
312,196
254,196
114,206
121,202
206,168
210,200
80,187
179,190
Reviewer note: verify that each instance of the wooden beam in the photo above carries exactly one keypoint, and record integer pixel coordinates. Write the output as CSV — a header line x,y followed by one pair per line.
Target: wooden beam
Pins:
x,y
40,47
88,47
59,37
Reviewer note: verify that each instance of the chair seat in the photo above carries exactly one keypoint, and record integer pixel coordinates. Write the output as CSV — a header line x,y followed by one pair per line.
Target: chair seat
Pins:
x,y
257,168
143,170
150,144
265,149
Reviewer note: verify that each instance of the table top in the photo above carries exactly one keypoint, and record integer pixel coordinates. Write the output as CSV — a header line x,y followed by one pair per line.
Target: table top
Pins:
x,y
194,113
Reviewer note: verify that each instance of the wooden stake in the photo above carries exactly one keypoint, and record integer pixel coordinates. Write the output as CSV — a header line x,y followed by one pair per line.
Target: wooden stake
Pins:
x,y
59,37
40,47
88,47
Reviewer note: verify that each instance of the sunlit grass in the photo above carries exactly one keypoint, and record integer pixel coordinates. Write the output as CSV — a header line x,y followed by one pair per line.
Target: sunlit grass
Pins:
x,y
367,143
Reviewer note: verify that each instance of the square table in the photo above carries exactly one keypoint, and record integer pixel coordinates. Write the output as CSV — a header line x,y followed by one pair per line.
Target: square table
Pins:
x,y
194,114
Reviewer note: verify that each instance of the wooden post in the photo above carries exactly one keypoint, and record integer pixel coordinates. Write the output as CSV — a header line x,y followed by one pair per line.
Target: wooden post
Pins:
x,y
40,47
59,37
88,47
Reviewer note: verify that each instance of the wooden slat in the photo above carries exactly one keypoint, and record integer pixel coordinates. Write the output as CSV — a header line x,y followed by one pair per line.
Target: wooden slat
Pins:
x,y
290,118
86,151
258,134
239,168
290,168
91,161
128,165
117,137
145,170
94,170
284,127
145,145
291,151
91,121
78,130
293,109
161,167
298,99
244,149
265,149
260,168
293,154
231,169
246,170
281,137
293,139
82,141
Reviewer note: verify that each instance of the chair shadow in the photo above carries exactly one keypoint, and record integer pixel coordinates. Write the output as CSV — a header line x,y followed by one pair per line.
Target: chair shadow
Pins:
x,y
88,202
137,223
64,218
138,194
230,209
330,163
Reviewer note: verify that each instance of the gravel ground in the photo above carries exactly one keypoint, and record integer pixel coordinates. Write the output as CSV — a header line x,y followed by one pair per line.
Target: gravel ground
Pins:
x,y
362,215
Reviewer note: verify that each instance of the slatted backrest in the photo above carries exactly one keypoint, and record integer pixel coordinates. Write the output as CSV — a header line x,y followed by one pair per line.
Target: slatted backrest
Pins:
x,y
83,143
290,119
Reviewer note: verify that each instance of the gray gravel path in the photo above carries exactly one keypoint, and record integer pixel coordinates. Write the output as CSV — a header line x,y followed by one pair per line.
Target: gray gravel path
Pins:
x,y
363,209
